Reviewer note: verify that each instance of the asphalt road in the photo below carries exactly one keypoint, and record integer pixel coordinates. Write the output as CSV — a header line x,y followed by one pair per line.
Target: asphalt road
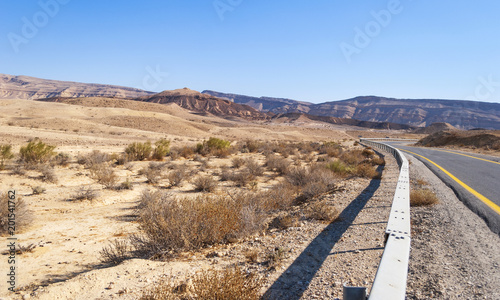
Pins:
x,y
479,175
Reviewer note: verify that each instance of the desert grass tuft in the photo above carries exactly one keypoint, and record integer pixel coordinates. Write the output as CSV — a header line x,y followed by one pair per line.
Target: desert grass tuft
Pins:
x,y
423,197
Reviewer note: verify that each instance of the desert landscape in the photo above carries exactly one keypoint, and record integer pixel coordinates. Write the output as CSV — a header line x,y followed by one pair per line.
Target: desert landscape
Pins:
x,y
136,199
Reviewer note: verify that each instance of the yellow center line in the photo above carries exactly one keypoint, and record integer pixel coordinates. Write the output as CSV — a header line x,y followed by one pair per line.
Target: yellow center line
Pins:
x,y
491,161
485,200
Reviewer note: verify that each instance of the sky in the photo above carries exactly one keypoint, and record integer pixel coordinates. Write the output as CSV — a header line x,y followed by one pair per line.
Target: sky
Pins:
x,y
316,51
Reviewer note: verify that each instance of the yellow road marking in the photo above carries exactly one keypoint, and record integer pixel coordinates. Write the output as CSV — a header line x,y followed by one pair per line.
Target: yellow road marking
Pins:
x,y
491,161
485,200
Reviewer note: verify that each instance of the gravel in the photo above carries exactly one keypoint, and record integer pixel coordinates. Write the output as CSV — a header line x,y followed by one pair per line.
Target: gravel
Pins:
x,y
454,254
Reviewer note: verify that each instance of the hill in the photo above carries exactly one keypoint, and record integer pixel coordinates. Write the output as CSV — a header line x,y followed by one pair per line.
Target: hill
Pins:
x,y
414,112
435,127
300,117
25,87
203,103
485,139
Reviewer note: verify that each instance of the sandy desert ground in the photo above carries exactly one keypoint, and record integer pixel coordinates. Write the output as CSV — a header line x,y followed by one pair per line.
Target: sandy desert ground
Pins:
x,y
62,244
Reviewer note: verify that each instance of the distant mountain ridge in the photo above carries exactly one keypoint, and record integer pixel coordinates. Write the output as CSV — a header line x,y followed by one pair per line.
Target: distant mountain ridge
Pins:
x,y
26,87
415,112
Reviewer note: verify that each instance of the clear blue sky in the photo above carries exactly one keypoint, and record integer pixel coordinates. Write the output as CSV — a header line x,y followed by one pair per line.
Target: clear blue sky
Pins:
x,y
315,51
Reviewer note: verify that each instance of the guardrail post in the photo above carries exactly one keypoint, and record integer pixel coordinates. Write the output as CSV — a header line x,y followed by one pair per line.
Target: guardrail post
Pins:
x,y
354,293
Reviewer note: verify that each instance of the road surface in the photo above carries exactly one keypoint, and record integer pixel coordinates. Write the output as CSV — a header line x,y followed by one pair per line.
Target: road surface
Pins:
x,y
474,178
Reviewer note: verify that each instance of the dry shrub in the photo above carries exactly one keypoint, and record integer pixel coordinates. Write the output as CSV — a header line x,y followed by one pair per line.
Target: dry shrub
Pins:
x,y
115,253
331,149
285,221
313,181
62,159
367,171
252,146
176,177
85,193
48,173
153,172
339,167
368,152
37,190
205,183
5,155
36,152
231,283
139,151
321,210
226,174
186,152
353,157
423,197
241,178
238,162
104,174
125,185
252,255
181,224
254,168
23,215
94,158
280,196
378,161
278,164
162,149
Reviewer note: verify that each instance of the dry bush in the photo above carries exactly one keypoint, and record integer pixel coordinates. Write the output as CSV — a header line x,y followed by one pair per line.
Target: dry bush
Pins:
x,y
353,157
115,253
162,149
339,167
186,152
231,283
48,173
367,171
125,185
278,164
368,152
176,177
275,257
23,216
298,176
205,183
254,168
104,174
226,174
153,172
252,146
252,255
85,193
36,152
5,155
278,197
37,190
214,146
238,162
284,221
139,151
62,159
423,197
378,161
180,224
331,149
321,210
19,169
241,178
94,158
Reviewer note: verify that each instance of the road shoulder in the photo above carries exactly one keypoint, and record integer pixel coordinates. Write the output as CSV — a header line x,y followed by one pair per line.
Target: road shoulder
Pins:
x,y
454,254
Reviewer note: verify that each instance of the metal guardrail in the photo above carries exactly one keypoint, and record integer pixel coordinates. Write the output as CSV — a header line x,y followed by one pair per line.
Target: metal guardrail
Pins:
x,y
392,273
